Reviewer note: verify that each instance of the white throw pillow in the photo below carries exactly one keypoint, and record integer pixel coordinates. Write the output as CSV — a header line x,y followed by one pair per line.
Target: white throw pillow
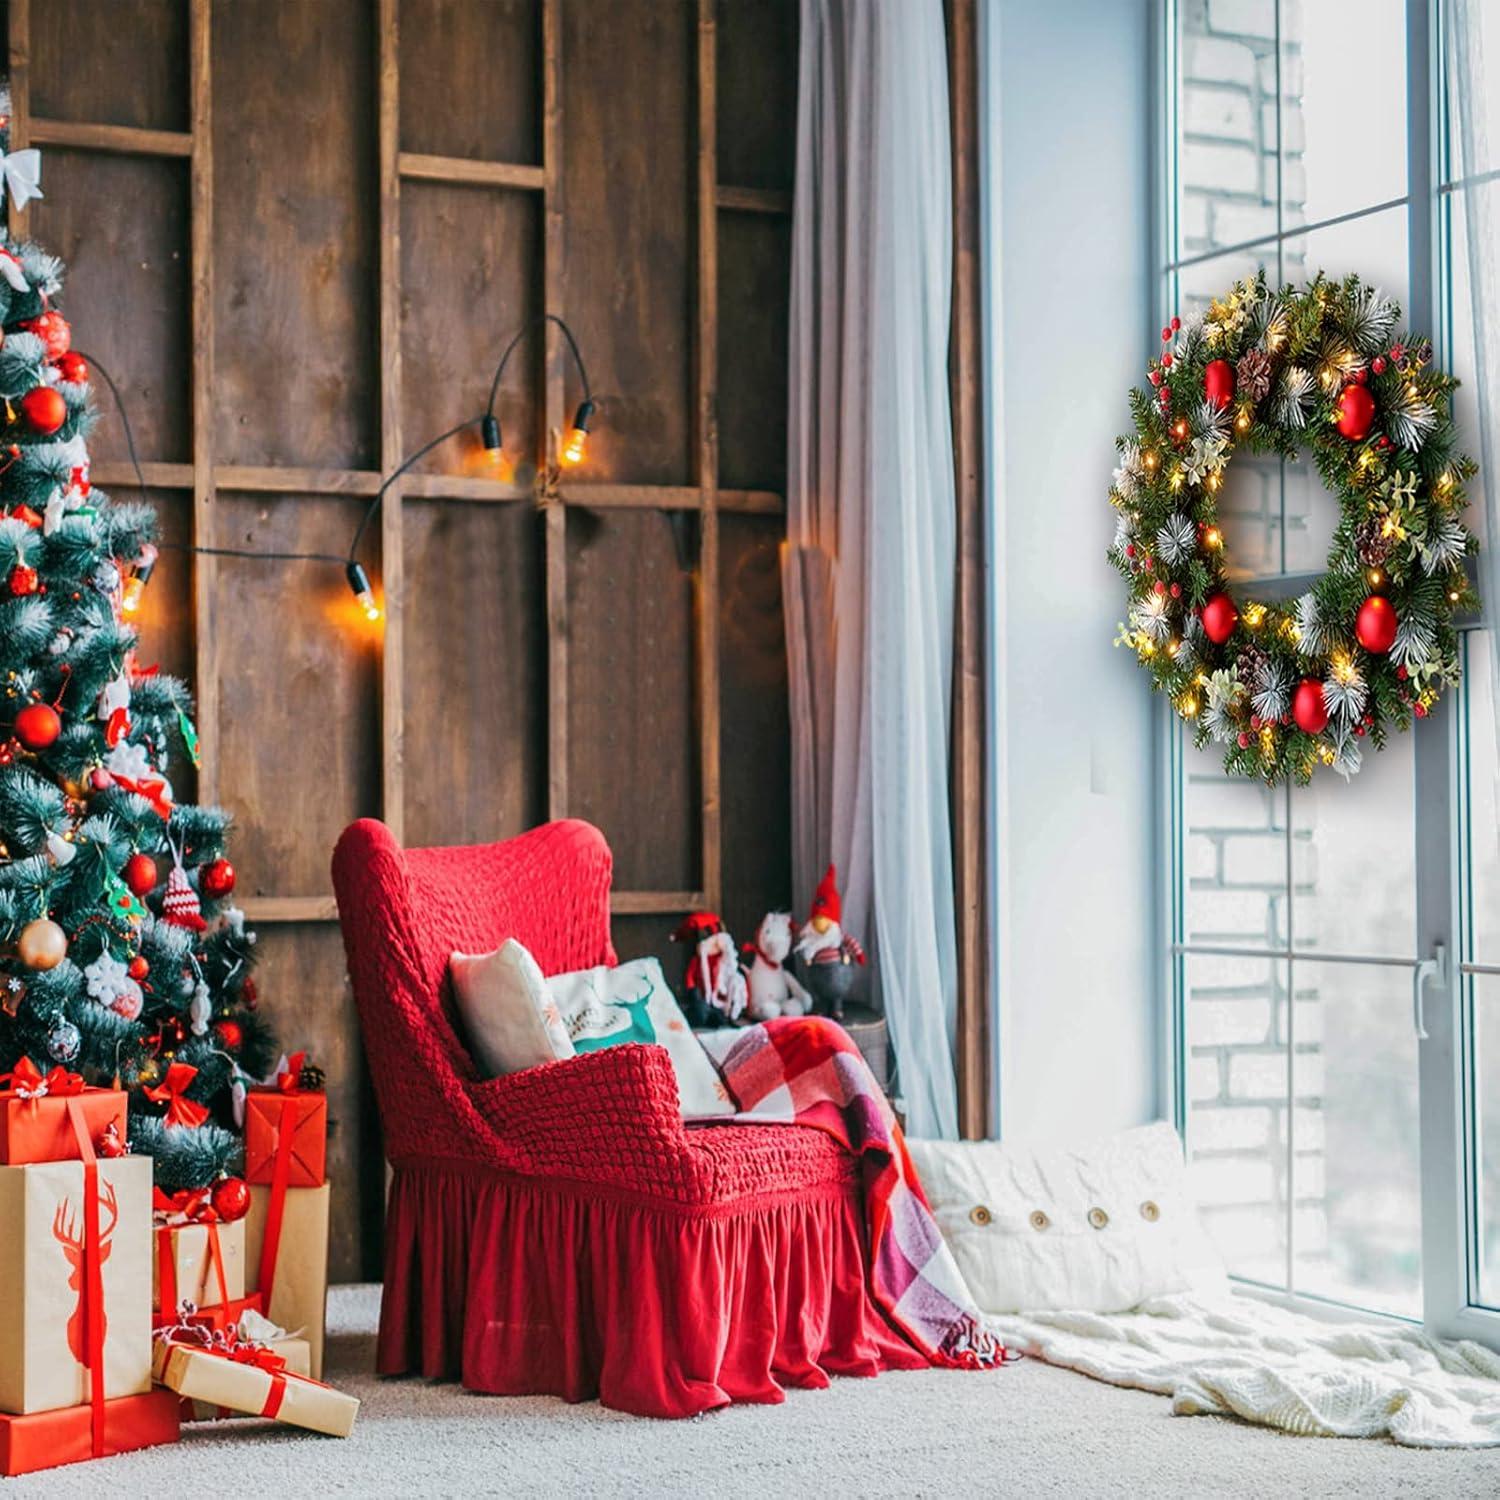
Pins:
x,y
1094,1230
511,1019
603,1007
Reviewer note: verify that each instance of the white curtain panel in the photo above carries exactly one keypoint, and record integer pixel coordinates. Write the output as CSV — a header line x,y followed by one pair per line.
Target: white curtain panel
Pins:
x,y
869,562
1473,36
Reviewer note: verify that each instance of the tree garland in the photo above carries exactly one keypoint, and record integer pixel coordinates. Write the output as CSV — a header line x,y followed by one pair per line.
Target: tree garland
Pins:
x,y
1288,686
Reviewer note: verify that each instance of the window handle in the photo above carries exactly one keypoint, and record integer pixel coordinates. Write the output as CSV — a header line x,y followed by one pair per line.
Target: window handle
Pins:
x,y
1427,968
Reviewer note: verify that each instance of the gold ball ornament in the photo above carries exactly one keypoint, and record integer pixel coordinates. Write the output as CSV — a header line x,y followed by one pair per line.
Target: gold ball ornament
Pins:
x,y
42,944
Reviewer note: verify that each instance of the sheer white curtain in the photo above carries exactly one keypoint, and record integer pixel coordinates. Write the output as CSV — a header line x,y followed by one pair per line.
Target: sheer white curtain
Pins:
x,y
1473,35
870,510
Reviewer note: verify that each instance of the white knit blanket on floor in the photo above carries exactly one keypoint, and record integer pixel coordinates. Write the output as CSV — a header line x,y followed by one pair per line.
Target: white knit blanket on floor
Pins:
x,y
1234,1356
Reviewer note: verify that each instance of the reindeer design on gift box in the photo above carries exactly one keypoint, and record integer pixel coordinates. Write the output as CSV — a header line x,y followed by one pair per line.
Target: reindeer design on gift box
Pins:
x,y
70,1234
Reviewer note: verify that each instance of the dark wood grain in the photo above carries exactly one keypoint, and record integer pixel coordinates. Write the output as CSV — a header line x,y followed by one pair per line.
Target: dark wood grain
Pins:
x,y
754,287
111,63
757,92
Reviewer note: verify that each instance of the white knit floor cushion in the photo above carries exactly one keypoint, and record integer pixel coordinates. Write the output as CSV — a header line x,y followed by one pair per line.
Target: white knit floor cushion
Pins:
x,y
510,1017
1094,1230
632,1003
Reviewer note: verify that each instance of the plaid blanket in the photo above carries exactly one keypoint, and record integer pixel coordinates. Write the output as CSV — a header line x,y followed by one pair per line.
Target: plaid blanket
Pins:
x,y
806,1071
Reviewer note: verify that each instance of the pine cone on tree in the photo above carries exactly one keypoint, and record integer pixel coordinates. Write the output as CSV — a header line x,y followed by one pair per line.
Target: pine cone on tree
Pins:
x,y
1371,545
1250,667
1252,375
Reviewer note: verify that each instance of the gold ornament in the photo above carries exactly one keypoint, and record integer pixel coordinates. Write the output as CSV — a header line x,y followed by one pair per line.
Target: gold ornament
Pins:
x,y
42,944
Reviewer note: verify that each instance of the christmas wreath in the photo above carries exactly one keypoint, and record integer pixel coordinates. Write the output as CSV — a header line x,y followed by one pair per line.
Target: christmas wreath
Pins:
x,y
1287,686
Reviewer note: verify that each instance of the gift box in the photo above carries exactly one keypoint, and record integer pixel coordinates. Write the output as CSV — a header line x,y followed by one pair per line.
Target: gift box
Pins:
x,y
253,1379
221,1317
286,1258
34,1120
202,1263
49,1439
286,1135
296,1352
75,1304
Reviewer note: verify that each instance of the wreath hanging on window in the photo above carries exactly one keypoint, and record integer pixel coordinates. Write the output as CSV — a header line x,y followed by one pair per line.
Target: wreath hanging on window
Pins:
x,y
1288,686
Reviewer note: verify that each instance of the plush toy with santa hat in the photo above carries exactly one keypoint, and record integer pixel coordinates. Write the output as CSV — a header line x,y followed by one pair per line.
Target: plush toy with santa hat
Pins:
x,y
828,954
714,985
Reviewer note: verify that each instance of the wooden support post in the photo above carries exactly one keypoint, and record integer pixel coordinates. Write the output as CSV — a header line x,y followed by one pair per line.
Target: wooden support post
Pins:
x,y
552,411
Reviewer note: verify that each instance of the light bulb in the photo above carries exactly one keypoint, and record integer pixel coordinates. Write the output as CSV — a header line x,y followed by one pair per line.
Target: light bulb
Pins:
x,y
489,432
359,585
577,440
135,585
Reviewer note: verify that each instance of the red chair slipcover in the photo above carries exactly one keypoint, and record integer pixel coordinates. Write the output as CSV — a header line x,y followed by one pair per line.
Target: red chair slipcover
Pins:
x,y
558,1231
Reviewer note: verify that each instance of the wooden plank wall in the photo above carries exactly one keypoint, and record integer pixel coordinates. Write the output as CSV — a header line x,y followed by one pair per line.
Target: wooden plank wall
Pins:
x,y
299,233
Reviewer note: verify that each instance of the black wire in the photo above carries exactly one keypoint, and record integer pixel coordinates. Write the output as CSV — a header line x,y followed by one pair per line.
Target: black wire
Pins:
x,y
396,473
541,319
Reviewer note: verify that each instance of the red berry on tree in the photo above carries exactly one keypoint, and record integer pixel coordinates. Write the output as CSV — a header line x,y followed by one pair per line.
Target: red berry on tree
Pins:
x,y
1176,324
1166,333
1420,710
1154,377
230,1033
1244,740
1177,591
1166,361
1129,549
1361,376
1378,364
1159,586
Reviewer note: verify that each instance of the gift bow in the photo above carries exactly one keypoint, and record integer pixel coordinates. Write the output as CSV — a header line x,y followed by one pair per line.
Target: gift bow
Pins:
x,y
189,1206
27,1081
171,1091
286,1078
22,171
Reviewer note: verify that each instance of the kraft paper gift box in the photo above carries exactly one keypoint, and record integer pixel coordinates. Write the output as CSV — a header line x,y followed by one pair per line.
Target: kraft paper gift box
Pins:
x,y
199,1263
49,1439
36,1127
298,1356
299,1277
221,1380
44,1276
291,1124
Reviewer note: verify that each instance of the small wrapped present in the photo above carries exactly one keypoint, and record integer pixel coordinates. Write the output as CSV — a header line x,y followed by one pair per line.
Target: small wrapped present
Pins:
x,y
49,1439
75,1278
199,1258
249,1327
286,1252
251,1378
286,1130
34,1124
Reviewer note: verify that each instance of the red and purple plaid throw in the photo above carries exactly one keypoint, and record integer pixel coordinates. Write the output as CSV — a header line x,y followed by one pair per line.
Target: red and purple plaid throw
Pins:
x,y
806,1071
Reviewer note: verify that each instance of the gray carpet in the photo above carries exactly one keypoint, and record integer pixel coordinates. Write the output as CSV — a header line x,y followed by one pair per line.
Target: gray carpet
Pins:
x,y
1027,1430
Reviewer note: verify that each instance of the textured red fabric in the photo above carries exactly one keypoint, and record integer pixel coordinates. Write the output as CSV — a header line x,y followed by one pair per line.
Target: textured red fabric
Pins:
x,y
559,1231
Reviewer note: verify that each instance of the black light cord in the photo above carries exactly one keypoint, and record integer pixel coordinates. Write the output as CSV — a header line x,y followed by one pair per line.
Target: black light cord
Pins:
x,y
541,320
396,473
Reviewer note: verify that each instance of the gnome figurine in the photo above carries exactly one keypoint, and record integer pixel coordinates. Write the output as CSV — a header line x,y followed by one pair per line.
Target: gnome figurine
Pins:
x,y
714,985
828,954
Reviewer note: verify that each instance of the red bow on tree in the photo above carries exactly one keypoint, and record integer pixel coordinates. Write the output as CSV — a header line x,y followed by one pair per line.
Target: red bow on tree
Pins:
x,y
171,1091
288,1079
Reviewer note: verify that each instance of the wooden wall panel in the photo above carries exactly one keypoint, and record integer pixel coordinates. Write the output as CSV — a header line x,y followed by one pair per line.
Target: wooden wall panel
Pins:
x,y
126,293
297,741
110,63
757,46
295,217
471,79
754,287
476,664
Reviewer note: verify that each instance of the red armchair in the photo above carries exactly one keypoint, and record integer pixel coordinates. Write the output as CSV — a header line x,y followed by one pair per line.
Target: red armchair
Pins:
x,y
559,1231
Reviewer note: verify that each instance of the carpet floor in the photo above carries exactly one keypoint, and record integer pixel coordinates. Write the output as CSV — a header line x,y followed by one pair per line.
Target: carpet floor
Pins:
x,y
1027,1430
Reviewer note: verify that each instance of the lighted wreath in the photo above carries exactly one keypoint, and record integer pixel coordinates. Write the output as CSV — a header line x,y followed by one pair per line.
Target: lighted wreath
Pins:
x,y
1321,369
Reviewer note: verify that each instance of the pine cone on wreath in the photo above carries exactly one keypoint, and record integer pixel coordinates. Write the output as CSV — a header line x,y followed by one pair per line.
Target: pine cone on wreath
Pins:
x,y
1252,375
1251,665
1370,545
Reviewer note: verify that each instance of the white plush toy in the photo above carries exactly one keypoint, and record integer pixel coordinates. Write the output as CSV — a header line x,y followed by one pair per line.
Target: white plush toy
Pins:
x,y
774,990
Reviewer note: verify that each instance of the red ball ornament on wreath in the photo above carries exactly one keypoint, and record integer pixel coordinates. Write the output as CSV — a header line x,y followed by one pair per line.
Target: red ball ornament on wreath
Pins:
x,y
216,879
1375,625
1218,383
1308,708
44,409
231,1198
38,725
1219,618
139,874
1356,413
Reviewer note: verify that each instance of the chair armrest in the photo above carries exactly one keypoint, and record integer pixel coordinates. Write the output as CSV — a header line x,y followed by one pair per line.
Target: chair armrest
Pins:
x,y
609,1117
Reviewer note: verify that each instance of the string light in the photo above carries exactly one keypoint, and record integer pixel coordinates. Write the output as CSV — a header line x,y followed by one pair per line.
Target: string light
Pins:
x,y
1255,615
140,576
1376,577
1212,537
359,586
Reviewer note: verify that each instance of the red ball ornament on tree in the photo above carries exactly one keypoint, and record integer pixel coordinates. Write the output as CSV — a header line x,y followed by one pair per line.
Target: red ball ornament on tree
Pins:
x,y
1375,625
1218,383
138,968
1219,618
44,409
1308,709
231,1198
1356,413
38,725
22,580
139,874
52,329
230,1033
73,368
216,878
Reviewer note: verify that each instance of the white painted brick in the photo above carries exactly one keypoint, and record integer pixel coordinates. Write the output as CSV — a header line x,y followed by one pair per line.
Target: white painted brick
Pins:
x,y
1226,169
1309,1021
1226,1023
1257,1075
1216,802
1214,915
1310,1225
1307,1071
1294,182
1223,113
1310,1176
1203,1078
1232,1179
1216,60
1192,217
1234,223
1237,1129
1309,1126
1255,18
1201,857
1255,859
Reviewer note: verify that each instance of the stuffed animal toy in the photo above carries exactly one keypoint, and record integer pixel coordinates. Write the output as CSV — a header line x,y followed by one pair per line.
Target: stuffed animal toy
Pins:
x,y
714,986
774,989
827,951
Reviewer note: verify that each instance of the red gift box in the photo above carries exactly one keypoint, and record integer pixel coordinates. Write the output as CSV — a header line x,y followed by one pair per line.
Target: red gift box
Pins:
x,y
289,1124
47,1439
34,1123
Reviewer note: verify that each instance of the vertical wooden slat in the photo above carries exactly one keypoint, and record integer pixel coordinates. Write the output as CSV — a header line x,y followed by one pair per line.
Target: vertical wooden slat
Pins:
x,y
552,410
392,558
205,568
706,363
20,92
969,814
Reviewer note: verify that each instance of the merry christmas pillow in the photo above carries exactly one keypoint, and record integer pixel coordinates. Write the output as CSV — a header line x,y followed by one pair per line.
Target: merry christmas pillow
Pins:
x,y
603,1007
511,1020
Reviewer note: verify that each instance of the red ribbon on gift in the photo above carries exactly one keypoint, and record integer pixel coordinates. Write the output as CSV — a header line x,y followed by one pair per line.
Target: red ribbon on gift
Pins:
x,y
171,1091
180,1209
244,1352
27,1081
287,1079
93,1277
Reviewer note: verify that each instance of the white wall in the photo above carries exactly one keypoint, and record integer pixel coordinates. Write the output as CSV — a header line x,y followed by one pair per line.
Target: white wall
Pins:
x,y
1067,88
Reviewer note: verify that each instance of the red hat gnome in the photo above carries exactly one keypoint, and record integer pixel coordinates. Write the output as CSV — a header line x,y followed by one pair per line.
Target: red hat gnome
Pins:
x,y
828,953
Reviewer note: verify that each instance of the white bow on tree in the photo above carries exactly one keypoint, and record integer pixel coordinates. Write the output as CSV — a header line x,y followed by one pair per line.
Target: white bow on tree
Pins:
x,y
22,174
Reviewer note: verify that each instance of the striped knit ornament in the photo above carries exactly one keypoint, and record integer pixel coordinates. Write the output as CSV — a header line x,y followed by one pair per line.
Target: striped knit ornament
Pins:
x,y
180,904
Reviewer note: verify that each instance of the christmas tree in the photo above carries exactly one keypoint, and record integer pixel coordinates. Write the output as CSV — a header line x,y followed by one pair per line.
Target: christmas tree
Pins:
x,y
121,955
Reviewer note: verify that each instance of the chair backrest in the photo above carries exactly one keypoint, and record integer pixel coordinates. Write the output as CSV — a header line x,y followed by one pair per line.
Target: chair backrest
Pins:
x,y
404,912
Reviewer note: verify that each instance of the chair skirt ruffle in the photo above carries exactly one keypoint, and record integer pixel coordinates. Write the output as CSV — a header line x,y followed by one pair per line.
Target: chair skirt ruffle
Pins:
x,y
527,1288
